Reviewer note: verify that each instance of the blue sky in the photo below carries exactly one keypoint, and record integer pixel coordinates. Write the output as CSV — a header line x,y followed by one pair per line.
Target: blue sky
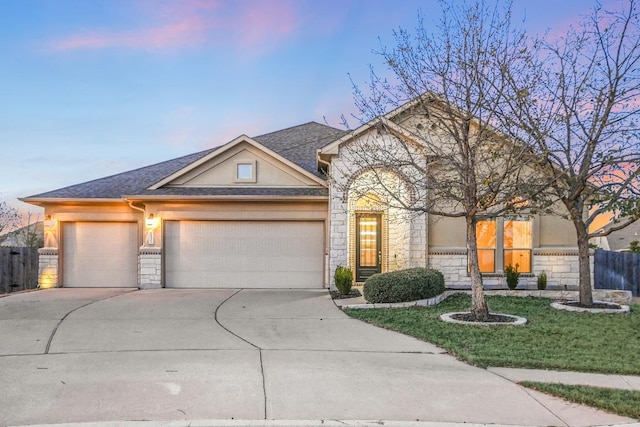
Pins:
x,y
93,88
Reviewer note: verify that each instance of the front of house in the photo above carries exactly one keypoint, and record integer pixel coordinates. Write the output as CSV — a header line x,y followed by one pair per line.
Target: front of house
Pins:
x,y
262,213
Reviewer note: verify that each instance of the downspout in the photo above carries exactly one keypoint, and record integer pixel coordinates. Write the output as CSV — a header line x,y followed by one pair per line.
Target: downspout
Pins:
x,y
144,213
131,205
327,269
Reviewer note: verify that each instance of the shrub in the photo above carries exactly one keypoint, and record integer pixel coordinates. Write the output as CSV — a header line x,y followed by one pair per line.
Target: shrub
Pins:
x,y
403,285
513,276
542,280
634,246
344,279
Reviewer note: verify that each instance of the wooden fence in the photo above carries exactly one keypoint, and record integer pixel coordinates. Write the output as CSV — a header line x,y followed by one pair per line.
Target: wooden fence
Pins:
x,y
18,269
617,270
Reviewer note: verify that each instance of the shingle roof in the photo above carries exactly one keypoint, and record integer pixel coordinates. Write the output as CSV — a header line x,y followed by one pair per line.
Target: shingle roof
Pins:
x,y
297,144
300,143
621,239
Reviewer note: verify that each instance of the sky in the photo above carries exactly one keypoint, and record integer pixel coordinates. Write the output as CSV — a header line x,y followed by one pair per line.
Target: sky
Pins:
x,y
90,88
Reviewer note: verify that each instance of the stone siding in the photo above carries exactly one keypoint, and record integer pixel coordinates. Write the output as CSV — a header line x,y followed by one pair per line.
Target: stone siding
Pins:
x,y
150,268
561,266
48,268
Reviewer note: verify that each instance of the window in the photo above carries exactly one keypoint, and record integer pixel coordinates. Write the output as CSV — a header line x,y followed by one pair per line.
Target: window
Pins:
x,y
245,171
513,234
518,239
486,238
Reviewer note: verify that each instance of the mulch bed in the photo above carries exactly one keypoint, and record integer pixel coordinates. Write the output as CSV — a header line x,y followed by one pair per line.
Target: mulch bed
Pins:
x,y
603,305
497,318
353,294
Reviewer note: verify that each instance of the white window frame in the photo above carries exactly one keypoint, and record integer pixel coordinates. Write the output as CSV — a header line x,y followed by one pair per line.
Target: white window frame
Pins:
x,y
237,178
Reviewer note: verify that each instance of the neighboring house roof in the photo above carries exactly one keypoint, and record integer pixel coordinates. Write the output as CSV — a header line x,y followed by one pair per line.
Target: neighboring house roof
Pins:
x,y
298,144
18,238
620,240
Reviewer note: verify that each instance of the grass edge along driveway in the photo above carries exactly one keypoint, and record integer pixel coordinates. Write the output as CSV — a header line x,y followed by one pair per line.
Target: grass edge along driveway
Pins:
x,y
621,402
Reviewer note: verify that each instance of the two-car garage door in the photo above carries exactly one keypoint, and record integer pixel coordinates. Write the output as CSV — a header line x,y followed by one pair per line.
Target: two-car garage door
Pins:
x,y
198,254
244,254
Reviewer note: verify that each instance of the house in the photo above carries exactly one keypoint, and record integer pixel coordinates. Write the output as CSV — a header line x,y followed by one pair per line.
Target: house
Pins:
x,y
619,240
29,235
260,212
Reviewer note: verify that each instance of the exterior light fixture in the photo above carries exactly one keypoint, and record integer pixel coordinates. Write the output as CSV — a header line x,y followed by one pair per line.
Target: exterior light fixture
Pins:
x,y
49,223
151,224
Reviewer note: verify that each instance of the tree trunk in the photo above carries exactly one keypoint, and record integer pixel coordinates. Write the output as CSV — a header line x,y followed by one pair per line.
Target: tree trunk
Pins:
x,y
479,309
584,266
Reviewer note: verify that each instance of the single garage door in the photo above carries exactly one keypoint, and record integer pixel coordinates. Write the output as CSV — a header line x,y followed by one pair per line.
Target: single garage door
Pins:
x,y
244,254
100,254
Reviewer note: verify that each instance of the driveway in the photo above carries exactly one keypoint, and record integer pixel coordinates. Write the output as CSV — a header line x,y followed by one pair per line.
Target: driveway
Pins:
x,y
85,355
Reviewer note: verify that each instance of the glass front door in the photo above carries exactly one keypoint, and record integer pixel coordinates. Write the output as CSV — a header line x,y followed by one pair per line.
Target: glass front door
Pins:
x,y
368,245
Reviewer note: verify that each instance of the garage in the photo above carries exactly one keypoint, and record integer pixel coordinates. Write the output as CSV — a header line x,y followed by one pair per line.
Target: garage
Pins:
x,y
100,254
244,254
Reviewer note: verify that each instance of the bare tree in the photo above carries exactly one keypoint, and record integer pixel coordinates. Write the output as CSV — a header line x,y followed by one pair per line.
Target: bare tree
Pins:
x,y
581,110
453,85
9,218
32,235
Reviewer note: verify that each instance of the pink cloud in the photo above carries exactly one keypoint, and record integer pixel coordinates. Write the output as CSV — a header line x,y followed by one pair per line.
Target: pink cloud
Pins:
x,y
192,23
183,33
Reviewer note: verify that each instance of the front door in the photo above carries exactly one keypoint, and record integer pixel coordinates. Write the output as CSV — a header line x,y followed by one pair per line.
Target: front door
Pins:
x,y
368,245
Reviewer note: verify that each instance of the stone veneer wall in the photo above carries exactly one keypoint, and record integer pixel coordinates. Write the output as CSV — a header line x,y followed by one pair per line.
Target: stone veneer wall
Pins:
x,y
418,241
48,268
406,244
149,268
561,266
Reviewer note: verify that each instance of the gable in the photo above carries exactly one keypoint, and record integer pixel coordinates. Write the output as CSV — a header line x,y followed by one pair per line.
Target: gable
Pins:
x,y
375,134
221,170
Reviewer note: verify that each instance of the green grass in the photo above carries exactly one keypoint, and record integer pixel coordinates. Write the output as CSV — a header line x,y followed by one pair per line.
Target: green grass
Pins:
x,y
553,339
621,402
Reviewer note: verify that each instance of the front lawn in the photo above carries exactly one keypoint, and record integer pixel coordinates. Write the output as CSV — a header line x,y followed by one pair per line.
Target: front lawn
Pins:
x,y
553,339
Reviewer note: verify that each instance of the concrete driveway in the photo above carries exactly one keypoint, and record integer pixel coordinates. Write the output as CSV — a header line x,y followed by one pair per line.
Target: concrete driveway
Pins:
x,y
83,355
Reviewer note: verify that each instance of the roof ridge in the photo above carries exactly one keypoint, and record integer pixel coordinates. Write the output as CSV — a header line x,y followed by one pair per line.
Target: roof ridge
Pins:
x,y
293,127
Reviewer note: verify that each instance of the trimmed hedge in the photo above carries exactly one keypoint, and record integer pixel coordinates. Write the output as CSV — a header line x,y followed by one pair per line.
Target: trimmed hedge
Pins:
x,y
404,285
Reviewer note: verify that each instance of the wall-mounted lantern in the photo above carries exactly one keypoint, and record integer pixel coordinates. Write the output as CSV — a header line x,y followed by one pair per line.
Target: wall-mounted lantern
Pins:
x,y
49,223
151,224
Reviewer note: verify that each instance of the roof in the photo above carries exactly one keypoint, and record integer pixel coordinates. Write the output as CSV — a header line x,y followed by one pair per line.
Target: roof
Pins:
x,y
18,238
298,144
619,240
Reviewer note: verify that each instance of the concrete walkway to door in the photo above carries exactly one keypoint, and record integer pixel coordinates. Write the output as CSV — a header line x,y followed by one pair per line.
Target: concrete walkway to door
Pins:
x,y
87,355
